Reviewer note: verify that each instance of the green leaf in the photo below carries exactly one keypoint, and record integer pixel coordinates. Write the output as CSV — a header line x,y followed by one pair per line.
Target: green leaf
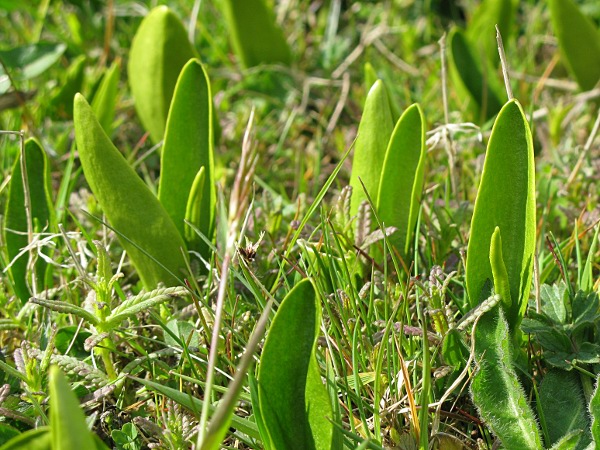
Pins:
x,y
553,302
105,99
67,308
402,177
28,61
142,302
195,405
15,229
159,50
36,439
569,441
128,203
255,36
193,209
594,409
495,388
188,147
62,101
474,76
67,422
578,40
506,199
562,402
499,273
481,30
374,133
292,398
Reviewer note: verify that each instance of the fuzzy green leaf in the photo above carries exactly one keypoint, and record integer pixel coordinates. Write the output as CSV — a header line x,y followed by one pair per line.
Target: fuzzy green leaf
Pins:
x,y
142,302
15,229
578,40
495,388
506,199
129,205
402,177
67,308
159,50
561,399
594,409
374,133
293,400
255,36
188,147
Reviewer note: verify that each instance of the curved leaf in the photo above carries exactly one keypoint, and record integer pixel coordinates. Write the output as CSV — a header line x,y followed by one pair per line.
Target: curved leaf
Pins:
x,y
402,177
294,403
188,147
495,387
15,230
67,422
506,199
374,133
127,202
105,99
474,75
499,273
481,30
579,42
255,36
159,50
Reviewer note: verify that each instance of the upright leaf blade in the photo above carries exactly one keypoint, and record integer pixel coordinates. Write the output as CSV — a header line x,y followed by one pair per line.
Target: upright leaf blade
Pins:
x,y
293,401
15,230
159,50
374,133
105,100
67,421
579,42
127,202
506,199
188,147
402,177
481,30
474,75
495,388
255,36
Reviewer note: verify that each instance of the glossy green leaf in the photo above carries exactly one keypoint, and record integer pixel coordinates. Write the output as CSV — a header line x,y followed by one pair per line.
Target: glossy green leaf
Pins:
x,y
292,398
105,99
374,133
474,76
578,40
159,50
563,405
594,409
129,205
188,147
481,30
255,36
402,177
195,405
506,199
67,422
28,61
495,387
15,230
